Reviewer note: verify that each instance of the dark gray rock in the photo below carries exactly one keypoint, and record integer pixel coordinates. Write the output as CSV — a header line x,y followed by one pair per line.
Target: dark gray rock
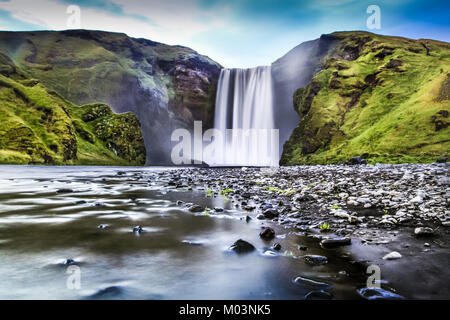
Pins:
x,y
267,234
271,213
64,190
333,243
242,246
318,295
196,208
315,260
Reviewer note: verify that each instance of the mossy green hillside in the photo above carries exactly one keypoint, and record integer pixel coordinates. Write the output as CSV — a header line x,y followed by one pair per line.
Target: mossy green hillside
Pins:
x,y
386,98
40,127
165,86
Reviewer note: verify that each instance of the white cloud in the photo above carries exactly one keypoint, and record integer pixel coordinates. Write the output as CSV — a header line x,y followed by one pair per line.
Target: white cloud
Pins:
x,y
172,22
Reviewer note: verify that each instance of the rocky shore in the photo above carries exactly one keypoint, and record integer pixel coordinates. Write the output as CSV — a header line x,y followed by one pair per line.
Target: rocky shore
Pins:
x,y
347,198
393,216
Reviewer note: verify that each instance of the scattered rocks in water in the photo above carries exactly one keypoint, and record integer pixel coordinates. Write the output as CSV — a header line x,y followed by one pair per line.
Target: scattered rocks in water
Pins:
x,y
311,283
337,242
315,260
392,256
267,234
277,247
318,295
196,208
424,232
242,246
378,294
64,190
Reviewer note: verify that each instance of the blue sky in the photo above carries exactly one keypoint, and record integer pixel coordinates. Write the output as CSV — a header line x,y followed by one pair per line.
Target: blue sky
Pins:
x,y
235,33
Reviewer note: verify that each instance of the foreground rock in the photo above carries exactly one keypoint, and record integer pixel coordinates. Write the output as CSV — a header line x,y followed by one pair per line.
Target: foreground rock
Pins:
x,y
242,246
424,232
333,243
394,255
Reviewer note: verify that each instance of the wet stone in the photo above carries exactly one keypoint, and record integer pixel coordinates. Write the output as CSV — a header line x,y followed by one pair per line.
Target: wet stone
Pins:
x,y
318,295
333,243
315,260
242,246
137,229
311,283
64,190
424,232
277,247
196,208
267,234
378,294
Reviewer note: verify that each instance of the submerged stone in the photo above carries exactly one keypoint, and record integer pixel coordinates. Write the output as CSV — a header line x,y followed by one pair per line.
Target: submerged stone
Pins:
x,y
196,208
318,295
378,294
311,283
315,260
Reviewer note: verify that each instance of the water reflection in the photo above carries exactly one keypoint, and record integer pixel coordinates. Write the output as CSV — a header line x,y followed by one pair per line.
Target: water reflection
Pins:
x,y
179,255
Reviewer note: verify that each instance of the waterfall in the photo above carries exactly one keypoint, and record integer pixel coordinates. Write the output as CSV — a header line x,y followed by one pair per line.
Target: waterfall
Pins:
x,y
244,103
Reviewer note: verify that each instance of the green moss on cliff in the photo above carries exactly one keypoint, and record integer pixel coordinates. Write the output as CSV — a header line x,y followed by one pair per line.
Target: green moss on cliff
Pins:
x,y
381,97
40,127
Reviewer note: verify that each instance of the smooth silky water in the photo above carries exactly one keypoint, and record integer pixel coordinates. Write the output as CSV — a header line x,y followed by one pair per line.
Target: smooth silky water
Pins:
x,y
180,256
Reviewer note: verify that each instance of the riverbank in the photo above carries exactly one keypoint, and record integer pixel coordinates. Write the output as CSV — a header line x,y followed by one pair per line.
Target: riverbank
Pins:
x,y
168,233
396,217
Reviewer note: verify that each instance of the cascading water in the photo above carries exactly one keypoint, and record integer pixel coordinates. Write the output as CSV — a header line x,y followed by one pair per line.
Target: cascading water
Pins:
x,y
244,103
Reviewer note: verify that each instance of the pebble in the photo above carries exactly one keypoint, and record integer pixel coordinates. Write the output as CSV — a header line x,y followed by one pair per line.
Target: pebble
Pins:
x,y
392,256
315,260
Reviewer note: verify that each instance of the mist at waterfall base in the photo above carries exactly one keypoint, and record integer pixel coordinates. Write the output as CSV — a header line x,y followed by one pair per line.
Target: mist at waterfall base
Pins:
x,y
244,119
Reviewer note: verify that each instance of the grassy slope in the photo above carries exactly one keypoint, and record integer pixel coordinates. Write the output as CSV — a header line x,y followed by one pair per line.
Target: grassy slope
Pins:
x,y
389,103
40,127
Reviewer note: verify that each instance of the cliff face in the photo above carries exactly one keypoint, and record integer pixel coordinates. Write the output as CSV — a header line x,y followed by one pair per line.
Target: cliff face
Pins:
x,y
292,71
167,87
38,126
385,98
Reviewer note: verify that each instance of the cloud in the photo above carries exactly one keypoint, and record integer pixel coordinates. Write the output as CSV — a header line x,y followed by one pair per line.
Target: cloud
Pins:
x,y
172,22
236,33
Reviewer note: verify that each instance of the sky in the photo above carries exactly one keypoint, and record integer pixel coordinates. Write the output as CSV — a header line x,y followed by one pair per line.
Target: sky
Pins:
x,y
235,33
